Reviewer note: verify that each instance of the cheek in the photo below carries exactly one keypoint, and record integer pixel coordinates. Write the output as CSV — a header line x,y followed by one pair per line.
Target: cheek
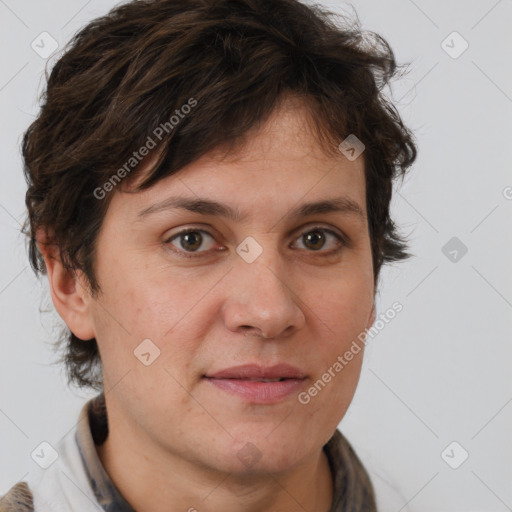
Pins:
x,y
137,307
342,310
344,305
139,300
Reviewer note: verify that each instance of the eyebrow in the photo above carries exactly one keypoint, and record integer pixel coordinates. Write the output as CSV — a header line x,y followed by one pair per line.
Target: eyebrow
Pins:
x,y
209,207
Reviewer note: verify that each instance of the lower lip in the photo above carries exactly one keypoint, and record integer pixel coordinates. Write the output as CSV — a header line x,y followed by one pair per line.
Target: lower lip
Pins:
x,y
257,391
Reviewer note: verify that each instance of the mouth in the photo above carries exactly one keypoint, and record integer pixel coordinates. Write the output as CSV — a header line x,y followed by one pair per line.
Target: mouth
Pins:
x,y
258,384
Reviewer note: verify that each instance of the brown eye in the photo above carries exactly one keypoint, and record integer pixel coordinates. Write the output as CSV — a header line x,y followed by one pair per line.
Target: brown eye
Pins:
x,y
189,241
315,239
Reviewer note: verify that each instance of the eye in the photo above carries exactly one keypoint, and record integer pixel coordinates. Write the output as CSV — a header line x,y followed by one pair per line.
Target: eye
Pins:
x,y
189,241
316,238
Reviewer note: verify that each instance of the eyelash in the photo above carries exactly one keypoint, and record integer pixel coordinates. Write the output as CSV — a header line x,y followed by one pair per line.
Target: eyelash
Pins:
x,y
185,254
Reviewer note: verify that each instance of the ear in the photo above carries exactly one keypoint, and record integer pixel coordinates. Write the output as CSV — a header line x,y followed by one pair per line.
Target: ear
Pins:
x,y
68,289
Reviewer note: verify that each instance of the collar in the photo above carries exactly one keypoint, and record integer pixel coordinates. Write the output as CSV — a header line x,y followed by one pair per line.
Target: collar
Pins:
x,y
92,429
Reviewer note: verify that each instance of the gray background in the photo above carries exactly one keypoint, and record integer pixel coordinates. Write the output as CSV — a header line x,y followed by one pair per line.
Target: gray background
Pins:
x,y
440,371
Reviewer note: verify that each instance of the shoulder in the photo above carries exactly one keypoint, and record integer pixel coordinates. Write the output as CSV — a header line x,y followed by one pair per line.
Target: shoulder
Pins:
x,y
17,499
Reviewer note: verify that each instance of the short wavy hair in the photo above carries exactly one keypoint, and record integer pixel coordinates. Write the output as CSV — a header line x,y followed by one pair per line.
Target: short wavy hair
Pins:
x,y
128,72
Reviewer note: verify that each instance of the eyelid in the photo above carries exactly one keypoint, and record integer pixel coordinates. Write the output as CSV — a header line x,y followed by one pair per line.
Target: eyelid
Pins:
x,y
341,237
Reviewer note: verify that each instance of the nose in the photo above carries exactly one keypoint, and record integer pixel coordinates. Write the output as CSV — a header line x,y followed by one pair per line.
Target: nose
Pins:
x,y
261,298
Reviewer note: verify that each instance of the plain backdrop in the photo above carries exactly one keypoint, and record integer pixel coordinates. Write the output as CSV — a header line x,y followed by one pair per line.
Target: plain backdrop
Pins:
x,y
436,384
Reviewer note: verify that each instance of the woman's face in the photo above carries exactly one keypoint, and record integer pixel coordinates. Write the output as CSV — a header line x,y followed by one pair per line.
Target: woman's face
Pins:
x,y
272,287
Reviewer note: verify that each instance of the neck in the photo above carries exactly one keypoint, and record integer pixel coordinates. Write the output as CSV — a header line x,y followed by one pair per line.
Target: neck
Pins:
x,y
150,478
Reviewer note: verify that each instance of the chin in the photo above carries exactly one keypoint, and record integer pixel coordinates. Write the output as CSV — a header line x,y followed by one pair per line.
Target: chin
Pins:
x,y
264,454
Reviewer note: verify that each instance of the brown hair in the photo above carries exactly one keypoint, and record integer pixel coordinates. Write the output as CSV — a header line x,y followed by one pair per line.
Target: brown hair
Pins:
x,y
128,73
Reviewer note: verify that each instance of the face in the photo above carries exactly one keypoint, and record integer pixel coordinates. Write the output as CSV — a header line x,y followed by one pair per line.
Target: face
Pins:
x,y
271,287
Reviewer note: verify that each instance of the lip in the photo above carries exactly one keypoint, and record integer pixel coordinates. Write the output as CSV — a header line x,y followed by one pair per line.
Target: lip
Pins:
x,y
242,381
256,371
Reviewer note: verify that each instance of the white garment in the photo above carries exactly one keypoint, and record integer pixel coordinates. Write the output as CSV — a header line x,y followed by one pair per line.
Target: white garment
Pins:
x,y
64,486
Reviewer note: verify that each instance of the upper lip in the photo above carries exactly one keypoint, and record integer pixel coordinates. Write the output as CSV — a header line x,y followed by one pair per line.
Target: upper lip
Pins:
x,y
255,371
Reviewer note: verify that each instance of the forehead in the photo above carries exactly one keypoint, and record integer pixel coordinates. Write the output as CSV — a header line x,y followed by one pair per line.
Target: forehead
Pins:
x,y
288,133
280,162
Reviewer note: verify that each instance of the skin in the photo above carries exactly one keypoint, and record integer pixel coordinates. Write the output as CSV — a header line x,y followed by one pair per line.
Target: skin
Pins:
x,y
173,436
